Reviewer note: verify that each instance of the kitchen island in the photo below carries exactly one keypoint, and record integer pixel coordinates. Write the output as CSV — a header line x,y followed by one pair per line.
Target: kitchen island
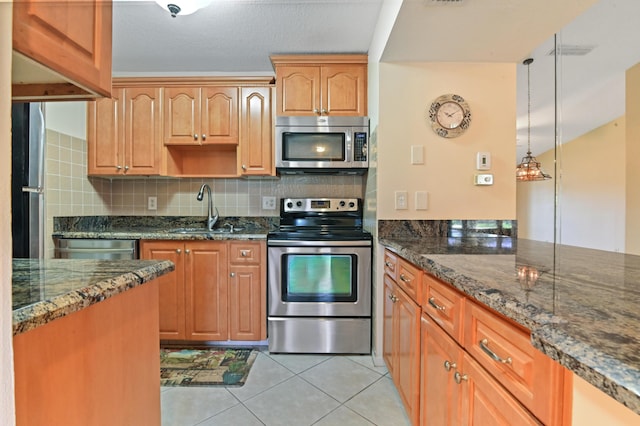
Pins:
x,y
86,341
581,305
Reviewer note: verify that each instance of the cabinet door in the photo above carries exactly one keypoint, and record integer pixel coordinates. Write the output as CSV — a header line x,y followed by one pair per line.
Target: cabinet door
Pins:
x,y
256,158
219,115
182,116
439,394
206,283
387,338
142,137
406,333
298,90
105,135
171,285
485,402
344,90
245,302
72,38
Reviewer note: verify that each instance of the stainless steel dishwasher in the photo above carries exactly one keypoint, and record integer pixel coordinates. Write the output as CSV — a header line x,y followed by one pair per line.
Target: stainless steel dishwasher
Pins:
x,y
83,248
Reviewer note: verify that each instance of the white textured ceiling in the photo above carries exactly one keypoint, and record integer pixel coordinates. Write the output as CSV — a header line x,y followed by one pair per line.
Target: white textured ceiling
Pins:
x,y
237,36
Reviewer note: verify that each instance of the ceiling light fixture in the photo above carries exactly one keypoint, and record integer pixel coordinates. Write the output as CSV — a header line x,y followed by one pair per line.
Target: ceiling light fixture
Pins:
x,y
182,7
529,168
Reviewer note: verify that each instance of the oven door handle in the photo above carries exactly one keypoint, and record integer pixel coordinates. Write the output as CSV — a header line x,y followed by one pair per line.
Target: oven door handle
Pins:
x,y
322,243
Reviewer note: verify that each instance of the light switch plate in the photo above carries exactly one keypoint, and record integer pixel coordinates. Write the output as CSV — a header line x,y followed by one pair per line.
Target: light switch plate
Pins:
x,y
422,200
417,154
483,179
483,161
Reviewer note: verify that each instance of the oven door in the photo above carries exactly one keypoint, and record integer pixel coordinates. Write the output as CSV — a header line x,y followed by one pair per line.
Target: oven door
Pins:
x,y
319,278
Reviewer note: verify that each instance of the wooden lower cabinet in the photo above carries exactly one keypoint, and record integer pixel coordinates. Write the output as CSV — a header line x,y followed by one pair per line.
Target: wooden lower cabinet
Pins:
x,y
456,390
402,347
210,296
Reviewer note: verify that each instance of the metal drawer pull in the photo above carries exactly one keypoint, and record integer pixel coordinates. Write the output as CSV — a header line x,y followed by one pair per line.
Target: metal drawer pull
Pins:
x,y
460,377
178,251
187,251
393,298
449,365
233,274
405,279
195,136
483,344
388,265
432,302
243,253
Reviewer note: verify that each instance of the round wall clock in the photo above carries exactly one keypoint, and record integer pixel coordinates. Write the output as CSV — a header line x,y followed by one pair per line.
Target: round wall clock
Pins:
x,y
450,116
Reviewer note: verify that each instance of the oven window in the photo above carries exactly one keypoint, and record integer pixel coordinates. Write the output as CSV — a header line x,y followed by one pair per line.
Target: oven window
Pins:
x,y
319,278
313,146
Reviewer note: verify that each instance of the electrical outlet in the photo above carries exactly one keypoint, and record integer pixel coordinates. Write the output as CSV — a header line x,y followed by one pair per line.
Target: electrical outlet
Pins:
x,y
152,203
401,200
268,203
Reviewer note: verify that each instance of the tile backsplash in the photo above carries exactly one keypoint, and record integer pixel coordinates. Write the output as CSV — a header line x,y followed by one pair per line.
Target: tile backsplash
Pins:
x,y
69,192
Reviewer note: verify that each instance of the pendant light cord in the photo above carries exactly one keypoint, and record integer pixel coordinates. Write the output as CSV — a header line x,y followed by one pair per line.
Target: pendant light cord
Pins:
x,y
528,62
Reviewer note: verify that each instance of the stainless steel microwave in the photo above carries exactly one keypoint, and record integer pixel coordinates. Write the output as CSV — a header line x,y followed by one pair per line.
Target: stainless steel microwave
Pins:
x,y
322,145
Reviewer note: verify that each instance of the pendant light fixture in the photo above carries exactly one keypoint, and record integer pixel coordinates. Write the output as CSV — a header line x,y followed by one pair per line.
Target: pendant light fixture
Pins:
x,y
529,168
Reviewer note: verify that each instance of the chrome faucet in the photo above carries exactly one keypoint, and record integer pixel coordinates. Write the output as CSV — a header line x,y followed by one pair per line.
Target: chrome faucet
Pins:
x,y
211,219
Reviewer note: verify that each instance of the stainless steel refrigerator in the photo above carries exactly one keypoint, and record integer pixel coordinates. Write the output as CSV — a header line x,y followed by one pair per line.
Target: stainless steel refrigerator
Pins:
x,y
27,180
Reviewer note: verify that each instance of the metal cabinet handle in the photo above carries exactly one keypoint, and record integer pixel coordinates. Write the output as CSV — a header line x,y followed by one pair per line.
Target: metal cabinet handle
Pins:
x,y
233,274
195,136
243,253
393,298
323,111
204,137
178,251
405,279
187,251
450,365
244,167
460,377
483,345
118,167
316,111
432,302
389,265
126,168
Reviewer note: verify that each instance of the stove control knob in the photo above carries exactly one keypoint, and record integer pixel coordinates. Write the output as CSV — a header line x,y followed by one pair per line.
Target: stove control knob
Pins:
x,y
352,204
289,204
299,203
342,203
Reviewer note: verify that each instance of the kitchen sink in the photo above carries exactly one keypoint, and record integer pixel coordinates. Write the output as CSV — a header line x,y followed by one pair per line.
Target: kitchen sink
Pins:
x,y
225,230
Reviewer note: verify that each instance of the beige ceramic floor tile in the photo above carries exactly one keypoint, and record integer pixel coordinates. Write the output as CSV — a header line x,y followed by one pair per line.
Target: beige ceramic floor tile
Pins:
x,y
291,403
343,417
182,406
340,377
298,362
235,416
367,361
265,373
380,404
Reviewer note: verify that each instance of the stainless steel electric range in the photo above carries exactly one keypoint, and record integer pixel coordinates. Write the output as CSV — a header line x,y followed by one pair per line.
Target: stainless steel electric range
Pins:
x,y
319,278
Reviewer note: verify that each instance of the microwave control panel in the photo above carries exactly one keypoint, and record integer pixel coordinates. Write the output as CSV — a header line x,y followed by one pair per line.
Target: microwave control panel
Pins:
x,y
360,146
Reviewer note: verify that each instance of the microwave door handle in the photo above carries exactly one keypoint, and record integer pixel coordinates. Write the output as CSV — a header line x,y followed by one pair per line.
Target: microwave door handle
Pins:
x,y
349,147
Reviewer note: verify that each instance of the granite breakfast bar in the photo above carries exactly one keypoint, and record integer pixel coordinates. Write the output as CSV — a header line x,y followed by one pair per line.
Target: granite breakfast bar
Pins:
x,y
86,341
581,305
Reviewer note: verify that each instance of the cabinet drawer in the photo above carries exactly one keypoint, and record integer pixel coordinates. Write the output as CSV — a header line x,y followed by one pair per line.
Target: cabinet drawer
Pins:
x,y
444,304
410,279
505,350
391,264
245,252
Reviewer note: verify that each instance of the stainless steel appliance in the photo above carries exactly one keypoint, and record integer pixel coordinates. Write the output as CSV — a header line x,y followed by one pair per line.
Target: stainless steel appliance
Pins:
x,y
322,145
27,180
84,248
319,278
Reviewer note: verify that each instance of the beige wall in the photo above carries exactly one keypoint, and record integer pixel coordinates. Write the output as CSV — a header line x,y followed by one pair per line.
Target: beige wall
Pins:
x,y
406,92
632,146
591,406
7,412
591,199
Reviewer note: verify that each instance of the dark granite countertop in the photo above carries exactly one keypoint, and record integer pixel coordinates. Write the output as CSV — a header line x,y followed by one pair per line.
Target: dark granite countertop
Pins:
x,y
162,234
583,309
44,290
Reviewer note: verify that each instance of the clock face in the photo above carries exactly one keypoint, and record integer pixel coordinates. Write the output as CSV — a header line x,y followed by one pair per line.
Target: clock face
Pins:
x,y
449,115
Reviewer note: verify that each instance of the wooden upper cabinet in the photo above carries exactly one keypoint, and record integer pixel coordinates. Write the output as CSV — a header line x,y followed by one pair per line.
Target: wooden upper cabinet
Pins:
x,y
70,40
200,115
321,85
124,133
256,154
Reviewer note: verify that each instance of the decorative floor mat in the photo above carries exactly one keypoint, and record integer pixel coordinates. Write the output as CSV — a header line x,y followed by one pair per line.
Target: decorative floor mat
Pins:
x,y
205,366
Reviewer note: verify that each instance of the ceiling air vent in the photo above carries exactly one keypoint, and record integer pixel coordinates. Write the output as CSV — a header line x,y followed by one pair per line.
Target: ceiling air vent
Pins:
x,y
444,2
571,50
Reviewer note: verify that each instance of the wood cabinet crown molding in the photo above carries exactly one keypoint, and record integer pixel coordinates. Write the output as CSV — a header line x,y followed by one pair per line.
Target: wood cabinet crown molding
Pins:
x,y
314,60
193,81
